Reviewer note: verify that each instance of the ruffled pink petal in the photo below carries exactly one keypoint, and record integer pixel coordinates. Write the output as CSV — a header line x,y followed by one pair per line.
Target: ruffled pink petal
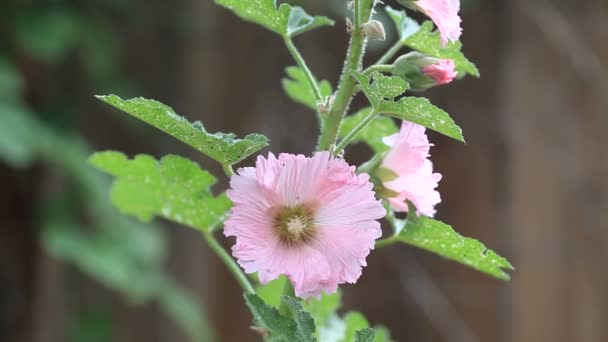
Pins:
x,y
419,188
444,14
409,148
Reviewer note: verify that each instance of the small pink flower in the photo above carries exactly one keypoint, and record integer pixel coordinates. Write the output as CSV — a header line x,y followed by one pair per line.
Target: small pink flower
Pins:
x,y
441,72
311,219
444,14
408,159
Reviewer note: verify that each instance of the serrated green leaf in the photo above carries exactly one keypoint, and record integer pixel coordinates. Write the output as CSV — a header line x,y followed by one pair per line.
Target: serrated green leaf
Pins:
x,y
226,148
365,335
174,188
427,41
440,238
305,324
405,25
298,88
372,134
415,109
278,328
286,20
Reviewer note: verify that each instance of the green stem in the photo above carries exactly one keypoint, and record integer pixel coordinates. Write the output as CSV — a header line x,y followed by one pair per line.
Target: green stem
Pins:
x,y
233,267
228,170
352,134
378,67
346,87
302,64
390,53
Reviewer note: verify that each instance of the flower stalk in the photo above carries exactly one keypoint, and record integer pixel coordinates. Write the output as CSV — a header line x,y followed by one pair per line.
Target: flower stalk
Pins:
x,y
346,87
233,267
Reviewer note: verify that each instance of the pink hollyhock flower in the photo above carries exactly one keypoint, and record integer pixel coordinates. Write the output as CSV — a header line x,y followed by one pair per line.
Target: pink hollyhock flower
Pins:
x,y
444,14
441,72
408,160
311,219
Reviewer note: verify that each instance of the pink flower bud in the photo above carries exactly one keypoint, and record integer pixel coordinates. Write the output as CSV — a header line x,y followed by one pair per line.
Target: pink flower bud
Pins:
x,y
441,72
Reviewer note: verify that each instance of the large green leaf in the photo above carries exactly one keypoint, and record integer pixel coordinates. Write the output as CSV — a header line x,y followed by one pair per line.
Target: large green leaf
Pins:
x,y
279,328
381,92
440,238
422,38
174,188
372,134
226,148
286,20
298,88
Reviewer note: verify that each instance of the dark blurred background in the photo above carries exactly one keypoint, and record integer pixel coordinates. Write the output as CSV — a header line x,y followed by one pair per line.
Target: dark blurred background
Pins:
x,y
530,182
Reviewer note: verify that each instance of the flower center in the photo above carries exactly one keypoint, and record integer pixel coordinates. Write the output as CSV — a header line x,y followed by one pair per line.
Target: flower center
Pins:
x,y
294,224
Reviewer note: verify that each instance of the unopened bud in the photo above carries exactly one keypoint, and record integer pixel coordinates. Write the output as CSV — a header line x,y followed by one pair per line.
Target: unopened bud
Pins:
x,y
374,29
423,72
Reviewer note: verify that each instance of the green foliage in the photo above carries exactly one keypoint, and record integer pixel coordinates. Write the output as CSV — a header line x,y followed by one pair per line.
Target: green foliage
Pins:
x,y
422,38
365,335
20,135
48,33
225,148
405,25
298,88
439,238
286,20
174,188
279,328
381,93
373,133
11,82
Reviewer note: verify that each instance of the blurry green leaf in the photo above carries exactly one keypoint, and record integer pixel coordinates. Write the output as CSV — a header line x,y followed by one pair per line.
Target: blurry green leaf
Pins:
x,y
271,293
415,109
429,42
298,88
48,34
174,188
278,328
439,238
405,25
11,82
285,20
355,321
372,134
382,334
184,308
20,135
92,326
226,148
323,308
365,335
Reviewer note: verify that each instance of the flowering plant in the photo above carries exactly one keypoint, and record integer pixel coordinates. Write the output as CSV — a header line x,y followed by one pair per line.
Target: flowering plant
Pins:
x,y
303,225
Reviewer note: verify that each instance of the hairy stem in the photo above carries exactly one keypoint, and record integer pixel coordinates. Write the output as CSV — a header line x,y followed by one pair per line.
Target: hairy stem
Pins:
x,y
352,134
346,87
390,53
228,170
233,267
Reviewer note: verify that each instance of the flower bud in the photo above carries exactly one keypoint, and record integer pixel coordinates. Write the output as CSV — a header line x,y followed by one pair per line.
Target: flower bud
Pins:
x,y
423,72
374,29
